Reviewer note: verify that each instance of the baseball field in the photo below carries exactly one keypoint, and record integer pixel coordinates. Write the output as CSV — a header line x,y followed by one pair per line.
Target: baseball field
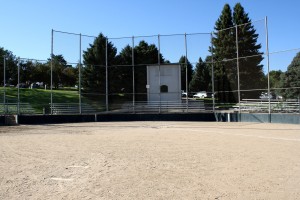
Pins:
x,y
150,160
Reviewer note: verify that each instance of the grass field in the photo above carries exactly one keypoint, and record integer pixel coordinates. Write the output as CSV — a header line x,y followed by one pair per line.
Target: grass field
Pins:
x,y
40,98
150,160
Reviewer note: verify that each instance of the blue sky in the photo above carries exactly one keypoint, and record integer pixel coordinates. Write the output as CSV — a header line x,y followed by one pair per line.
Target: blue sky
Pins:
x,y
26,25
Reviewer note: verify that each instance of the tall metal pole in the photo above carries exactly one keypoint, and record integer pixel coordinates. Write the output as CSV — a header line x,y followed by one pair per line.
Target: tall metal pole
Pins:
x,y
186,74
159,79
238,66
212,72
133,82
106,74
268,64
51,76
79,78
4,84
18,103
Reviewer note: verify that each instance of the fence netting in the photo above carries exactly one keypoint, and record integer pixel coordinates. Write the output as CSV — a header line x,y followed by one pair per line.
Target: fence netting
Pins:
x,y
223,70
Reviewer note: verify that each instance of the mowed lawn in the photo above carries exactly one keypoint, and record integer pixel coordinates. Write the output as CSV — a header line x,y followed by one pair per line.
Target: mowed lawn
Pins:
x,y
39,98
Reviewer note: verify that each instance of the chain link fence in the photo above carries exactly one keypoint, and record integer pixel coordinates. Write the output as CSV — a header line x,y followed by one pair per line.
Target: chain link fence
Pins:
x,y
243,79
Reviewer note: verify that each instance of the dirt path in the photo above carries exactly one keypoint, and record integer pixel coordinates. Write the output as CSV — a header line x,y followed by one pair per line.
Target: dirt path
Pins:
x,y
150,160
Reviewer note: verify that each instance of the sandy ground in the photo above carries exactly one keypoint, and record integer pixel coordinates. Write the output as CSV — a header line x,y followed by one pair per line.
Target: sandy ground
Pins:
x,y
150,160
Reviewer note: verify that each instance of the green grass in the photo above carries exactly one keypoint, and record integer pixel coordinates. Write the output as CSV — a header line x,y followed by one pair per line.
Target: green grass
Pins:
x,y
40,98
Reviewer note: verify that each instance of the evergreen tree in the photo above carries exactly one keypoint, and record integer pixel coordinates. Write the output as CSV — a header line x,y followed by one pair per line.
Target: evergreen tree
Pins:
x,y
201,78
147,54
122,78
144,54
251,71
224,51
189,68
94,60
291,79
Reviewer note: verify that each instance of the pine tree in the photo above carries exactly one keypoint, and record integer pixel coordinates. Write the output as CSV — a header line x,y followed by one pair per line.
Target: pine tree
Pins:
x,y
144,54
94,59
122,80
201,78
251,71
189,67
224,51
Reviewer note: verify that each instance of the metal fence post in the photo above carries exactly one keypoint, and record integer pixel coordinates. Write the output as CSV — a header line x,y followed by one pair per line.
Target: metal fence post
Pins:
x,y
106,74
4,84
268,65
18,101
79,78
212,71
133,82
51,75
159,78
238,67
186,75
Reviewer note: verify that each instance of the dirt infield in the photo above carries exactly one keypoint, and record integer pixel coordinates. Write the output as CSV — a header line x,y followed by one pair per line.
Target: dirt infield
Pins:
x,y
150,160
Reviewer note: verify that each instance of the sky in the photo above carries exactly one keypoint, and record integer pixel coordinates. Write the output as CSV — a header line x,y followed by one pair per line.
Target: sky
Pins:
x,y
26,26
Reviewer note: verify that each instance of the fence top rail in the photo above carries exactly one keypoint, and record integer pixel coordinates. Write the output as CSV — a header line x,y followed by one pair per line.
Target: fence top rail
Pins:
x,y
155,35
16,103
272,100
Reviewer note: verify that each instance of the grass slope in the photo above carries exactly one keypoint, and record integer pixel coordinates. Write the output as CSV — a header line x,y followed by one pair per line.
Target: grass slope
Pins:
x,y
38,98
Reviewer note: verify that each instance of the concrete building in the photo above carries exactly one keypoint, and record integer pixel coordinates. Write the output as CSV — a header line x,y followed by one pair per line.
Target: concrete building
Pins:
x,y
164,83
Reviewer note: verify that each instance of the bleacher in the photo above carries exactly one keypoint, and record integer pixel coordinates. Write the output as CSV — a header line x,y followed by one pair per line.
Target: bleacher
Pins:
x,y
256,105
163,107
12,108
71,108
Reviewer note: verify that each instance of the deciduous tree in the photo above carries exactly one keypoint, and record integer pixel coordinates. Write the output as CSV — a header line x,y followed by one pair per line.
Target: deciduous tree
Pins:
x,y
291,79
11,69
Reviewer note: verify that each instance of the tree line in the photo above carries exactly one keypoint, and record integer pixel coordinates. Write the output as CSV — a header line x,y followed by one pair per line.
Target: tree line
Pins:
x,y
32,71
120,71
287,84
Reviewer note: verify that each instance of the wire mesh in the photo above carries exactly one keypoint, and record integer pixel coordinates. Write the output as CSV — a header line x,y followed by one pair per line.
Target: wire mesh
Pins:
x,y
232,72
